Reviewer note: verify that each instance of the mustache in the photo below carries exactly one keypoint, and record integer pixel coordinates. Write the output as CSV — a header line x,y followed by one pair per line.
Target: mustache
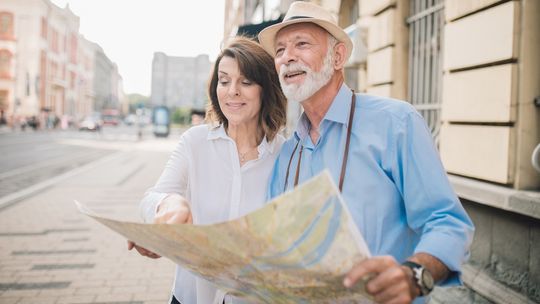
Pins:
x,y
293,67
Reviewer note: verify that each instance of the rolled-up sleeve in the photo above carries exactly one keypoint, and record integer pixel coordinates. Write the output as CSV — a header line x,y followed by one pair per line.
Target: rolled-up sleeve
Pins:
x,y
173,179
432,208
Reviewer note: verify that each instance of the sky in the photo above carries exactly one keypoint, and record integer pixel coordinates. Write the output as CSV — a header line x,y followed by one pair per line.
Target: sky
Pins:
x,y
130,31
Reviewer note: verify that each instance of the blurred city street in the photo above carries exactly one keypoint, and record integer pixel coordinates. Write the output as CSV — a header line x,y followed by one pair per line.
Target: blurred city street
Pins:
x,y
89,91
49,252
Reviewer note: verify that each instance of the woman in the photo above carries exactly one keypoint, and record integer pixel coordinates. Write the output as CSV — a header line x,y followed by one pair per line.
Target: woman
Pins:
x,y
219,171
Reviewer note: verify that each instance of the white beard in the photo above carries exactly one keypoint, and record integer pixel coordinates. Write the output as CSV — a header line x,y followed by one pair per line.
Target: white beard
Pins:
x,y
313,82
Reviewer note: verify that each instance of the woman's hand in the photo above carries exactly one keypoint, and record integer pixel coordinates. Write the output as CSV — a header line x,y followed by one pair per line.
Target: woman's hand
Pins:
x,y
143,251
174,209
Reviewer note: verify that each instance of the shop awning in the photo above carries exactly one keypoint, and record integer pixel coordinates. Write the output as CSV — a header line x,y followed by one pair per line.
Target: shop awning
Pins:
x,y
252,30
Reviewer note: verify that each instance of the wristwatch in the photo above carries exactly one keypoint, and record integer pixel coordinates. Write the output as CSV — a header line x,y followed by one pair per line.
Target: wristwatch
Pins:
x,y
422,277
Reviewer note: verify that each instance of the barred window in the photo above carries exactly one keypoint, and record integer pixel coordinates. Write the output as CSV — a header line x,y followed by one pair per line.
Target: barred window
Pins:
x,y
426,24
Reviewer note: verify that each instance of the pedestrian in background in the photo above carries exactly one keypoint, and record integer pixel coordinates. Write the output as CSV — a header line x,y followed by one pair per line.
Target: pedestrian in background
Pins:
x,y
380,153
219,171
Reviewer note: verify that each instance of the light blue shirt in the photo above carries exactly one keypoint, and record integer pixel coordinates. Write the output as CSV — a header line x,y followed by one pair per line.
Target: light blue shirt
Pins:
x,y
395,185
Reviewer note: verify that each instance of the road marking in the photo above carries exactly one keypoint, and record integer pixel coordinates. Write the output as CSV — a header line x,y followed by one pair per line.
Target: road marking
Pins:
x,y
15,197
51,163
46,252
26,286
61,266
44,232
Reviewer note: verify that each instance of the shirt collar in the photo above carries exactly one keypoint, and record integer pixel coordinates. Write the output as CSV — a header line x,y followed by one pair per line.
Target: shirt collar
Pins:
x,y
218,132
338,112
340,107
267,146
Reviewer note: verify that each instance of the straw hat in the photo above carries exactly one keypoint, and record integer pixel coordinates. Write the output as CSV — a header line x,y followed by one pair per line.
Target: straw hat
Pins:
x,y
300,12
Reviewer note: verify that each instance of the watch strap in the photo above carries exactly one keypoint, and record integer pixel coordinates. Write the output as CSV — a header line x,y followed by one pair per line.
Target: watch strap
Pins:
x,y
417,271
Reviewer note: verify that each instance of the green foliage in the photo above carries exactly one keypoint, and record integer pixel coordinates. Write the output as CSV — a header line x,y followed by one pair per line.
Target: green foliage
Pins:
x,y
181,116
137,101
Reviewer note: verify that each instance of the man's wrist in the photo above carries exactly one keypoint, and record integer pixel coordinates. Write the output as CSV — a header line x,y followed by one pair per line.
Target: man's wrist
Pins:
x,y
414,289
421,278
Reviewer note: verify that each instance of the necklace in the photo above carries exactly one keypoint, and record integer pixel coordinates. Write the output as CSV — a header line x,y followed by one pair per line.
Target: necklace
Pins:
x,y
243,155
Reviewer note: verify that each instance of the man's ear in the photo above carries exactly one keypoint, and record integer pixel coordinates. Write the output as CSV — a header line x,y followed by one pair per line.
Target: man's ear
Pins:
x,y
340,51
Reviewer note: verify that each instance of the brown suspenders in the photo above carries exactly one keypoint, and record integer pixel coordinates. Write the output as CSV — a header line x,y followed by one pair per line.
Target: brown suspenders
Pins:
x,y
345,152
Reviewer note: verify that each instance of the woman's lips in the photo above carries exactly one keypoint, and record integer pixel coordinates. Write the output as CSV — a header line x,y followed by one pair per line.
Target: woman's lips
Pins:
x,y
235,105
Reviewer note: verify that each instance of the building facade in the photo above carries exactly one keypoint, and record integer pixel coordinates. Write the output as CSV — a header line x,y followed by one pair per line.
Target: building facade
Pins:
x,y
472,69
47,68
180,82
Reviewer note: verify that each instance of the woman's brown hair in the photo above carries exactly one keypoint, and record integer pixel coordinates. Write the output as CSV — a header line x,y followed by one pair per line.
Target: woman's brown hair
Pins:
x,y
257,66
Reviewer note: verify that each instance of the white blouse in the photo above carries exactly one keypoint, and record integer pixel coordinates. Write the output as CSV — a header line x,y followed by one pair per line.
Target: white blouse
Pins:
x,y
205,169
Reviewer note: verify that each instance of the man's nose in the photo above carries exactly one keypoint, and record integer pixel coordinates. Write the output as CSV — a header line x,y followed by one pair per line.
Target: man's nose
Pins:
x,y
289,55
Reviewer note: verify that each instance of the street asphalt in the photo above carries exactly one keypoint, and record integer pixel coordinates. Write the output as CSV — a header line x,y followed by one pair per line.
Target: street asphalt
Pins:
x,y
50,253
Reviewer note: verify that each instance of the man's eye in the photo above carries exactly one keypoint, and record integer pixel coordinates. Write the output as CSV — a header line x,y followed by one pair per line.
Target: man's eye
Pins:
x,y
302,43
279,51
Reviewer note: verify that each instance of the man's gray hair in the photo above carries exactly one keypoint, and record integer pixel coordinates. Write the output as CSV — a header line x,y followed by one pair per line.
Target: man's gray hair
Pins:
x,y
332,41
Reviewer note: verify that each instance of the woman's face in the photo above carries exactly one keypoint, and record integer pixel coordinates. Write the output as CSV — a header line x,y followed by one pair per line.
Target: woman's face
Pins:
x,y
239,98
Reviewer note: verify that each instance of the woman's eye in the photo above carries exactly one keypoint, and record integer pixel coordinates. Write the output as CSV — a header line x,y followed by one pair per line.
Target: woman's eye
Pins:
x,y
223,82
247,82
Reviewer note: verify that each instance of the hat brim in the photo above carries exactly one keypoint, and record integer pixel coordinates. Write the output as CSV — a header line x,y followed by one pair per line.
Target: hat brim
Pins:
x,y
267,36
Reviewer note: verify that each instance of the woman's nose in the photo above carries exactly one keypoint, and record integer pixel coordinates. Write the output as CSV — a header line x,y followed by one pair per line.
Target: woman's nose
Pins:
x,y
234,90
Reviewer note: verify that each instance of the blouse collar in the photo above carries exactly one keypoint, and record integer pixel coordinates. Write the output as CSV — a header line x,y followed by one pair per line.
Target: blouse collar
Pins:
x,y
216,132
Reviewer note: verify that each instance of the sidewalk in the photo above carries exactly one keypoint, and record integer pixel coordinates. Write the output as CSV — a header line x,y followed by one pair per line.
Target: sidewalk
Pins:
x,y
5,129
49,253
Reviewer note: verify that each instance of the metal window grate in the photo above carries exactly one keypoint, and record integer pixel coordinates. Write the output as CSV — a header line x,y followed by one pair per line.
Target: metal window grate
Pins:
x,y
426,23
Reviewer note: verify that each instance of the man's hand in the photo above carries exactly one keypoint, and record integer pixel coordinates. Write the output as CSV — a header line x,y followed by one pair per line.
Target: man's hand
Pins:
x,y
390,283
142,251
174,209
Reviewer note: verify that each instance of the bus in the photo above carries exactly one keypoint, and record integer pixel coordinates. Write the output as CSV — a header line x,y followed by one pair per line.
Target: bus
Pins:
x,y
161,121
110,117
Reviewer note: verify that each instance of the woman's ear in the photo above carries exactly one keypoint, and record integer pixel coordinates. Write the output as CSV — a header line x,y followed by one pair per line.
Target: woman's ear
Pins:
x,y
340,52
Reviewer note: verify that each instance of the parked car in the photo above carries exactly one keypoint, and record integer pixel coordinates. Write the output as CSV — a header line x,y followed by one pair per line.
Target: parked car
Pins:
x,y
91,123
130,120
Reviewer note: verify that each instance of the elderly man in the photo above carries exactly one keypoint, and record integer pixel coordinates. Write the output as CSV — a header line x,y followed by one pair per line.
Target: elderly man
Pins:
x,y
381,154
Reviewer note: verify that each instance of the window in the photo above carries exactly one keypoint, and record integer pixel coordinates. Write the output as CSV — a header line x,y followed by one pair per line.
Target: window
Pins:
x,y
6,25
72,78
5,64
349,14
425,60
54,41
73,48
3,100
44,27
54,70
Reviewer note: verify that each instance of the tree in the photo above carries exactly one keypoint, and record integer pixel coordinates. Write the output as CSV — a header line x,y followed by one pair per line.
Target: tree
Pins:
x,y
137,101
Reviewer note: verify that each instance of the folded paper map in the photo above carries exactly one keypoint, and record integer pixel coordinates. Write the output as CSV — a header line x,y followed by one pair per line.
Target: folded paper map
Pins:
x,y
296,249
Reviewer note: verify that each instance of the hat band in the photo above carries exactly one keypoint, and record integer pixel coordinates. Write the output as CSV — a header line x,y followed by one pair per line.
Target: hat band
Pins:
x,y
297,17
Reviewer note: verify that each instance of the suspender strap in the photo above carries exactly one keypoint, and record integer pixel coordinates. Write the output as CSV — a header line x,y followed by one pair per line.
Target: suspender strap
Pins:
x,y
345,152
298,166
289,167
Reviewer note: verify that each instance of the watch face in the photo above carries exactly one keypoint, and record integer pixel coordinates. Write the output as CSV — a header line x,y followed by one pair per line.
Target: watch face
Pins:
x,y
427,280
